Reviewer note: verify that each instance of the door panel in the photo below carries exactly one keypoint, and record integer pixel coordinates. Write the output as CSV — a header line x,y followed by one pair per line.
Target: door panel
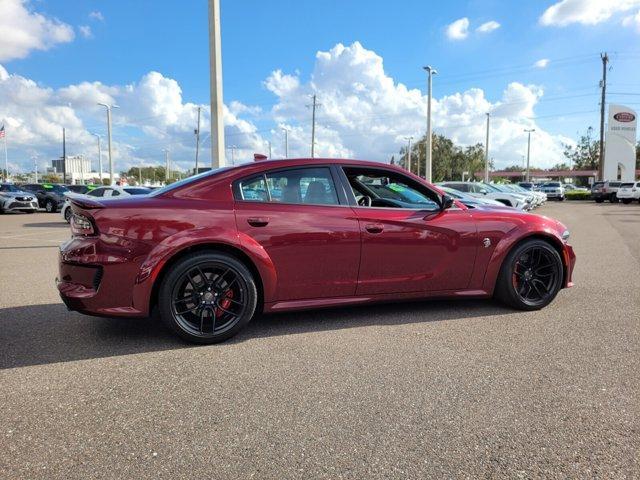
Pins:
x,y
315,248
405,250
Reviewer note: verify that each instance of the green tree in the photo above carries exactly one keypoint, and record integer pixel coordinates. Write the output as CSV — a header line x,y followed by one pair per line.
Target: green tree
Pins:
x,y
586,154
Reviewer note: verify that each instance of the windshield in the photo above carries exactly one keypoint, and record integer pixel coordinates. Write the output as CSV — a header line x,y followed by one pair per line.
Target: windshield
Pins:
x,y
56,188
9,188
186,181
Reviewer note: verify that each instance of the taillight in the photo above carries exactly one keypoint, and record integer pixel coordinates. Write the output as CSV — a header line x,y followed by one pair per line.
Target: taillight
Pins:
x,y
81,225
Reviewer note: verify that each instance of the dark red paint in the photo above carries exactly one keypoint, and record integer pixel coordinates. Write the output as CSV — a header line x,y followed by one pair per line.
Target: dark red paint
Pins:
x,y
303,256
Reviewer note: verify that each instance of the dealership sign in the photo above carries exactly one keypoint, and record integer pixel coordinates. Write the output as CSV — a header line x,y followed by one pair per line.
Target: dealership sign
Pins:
x,y
620,144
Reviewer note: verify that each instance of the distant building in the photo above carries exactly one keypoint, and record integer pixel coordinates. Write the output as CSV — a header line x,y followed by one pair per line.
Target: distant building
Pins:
x,y
78,169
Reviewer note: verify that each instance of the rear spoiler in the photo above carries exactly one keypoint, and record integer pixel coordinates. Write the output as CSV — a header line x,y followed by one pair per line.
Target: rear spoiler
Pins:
x,y
85,203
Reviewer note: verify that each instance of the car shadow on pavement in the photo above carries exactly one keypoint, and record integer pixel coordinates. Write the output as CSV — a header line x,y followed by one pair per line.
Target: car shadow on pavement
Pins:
x,y
59,224
49,333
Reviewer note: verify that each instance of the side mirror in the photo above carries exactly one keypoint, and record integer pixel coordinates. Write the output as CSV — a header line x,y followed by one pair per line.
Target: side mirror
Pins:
x,y
484,192
447,201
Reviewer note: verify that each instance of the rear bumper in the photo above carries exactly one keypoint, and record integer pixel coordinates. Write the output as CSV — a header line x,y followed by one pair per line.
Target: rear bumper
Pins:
x,y
97,279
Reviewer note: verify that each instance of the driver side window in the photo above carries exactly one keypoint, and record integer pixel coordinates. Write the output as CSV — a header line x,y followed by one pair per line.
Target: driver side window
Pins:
x,y
388,189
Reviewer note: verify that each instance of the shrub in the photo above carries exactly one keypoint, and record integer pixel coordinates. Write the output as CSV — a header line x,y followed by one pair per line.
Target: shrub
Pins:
x,y
578,195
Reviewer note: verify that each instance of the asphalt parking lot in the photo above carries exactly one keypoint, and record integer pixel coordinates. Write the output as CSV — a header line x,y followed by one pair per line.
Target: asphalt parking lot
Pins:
x,y
421,390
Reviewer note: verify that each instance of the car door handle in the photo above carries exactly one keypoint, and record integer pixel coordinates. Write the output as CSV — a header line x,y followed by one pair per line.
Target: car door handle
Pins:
x,y
258,221
374,227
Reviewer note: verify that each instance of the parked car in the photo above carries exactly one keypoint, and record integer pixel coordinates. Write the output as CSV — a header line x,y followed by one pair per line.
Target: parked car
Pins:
x,y
482,190
50,195
111,191
601,191
628,192
468,200
538,198
526,197
341,232
14,199
81,188
553,190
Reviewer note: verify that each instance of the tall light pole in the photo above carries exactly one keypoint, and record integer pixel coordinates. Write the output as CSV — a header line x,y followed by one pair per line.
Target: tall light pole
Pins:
x,y
166,165
286,142
486,153
409,152
99,156
197,132
313,106
529,152
233,154
109,107
603,86
428,168
35,165
215,65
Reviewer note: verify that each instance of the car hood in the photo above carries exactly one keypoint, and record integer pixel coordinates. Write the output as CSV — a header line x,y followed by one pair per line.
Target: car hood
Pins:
x,y
16,194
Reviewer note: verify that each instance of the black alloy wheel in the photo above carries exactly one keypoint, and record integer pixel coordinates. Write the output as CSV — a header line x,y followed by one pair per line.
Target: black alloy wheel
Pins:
x,y
49,206
207,297
67,214
531,275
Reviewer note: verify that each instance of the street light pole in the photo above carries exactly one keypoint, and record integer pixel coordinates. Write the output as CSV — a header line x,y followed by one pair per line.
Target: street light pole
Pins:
x,y
529,152
198,140
109,107
215,65
166,166
99,156
409,152
428,167
486,153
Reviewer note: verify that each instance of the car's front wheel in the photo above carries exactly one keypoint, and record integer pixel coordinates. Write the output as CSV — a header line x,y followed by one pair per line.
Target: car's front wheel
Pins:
x,y
531,276
49,206
207,297
67,215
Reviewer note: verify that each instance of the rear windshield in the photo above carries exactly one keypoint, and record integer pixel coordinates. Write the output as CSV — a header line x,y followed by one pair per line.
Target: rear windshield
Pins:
x,y
186,181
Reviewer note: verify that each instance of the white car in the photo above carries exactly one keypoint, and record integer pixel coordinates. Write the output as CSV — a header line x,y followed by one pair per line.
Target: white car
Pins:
x,y
483,190
113,191
629,192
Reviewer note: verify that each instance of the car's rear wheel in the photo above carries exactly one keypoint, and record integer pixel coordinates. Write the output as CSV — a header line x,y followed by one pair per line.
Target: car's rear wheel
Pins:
x,y
531,276
626,201
599,200
207,297
67,215
49,206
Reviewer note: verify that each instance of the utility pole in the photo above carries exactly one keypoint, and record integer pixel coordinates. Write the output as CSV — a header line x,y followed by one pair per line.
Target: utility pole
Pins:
x,y
35,163
197,132
139,175
99,156
529,152
64,155
269,142
286,142
313,125
109,107
409,152
233,154
428,167
486,153
603,86
215,76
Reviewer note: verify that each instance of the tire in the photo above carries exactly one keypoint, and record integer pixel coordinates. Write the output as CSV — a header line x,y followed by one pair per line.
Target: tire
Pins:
x,y
49,206
67,215
613,198
200,310
511,285
599,200
626,201
561,199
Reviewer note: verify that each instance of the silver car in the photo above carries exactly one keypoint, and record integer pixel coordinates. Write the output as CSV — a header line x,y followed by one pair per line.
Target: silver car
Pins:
x,y
12,199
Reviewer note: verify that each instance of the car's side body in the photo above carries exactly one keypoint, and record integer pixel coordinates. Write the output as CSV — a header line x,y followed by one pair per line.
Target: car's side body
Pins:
x,y
301,255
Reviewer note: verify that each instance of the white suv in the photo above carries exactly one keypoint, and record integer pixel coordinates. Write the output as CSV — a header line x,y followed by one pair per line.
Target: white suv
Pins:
x,y
629,192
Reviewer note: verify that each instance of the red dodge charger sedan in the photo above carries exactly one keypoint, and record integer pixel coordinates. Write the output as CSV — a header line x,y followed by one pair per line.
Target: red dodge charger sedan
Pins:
x,y
210,251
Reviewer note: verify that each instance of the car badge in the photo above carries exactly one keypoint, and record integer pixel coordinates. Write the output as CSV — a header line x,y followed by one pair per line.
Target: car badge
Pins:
x,y
486,242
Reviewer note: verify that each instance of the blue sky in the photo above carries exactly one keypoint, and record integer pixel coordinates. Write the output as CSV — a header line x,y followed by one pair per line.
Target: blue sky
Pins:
x,y
127,40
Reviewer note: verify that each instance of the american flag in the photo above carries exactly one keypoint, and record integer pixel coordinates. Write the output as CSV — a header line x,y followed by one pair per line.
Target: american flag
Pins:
x,y
2,131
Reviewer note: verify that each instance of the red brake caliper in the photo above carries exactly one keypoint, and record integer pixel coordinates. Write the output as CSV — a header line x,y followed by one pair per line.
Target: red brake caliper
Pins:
x,y
225,303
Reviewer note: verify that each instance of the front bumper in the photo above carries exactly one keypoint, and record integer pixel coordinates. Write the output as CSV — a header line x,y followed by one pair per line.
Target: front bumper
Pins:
x,y
14,205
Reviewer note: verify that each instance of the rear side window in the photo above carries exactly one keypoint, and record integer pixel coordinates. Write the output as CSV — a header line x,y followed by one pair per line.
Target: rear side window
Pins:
x,y
614,184
310,186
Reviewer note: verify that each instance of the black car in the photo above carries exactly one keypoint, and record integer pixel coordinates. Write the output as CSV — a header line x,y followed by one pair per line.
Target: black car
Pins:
x,y
51,196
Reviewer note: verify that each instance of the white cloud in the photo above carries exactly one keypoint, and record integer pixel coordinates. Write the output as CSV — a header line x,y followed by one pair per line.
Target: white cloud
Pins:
x,y
632,21
488,27
542,63
364,114
458,30
585,12
85,31
96,15
24,30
